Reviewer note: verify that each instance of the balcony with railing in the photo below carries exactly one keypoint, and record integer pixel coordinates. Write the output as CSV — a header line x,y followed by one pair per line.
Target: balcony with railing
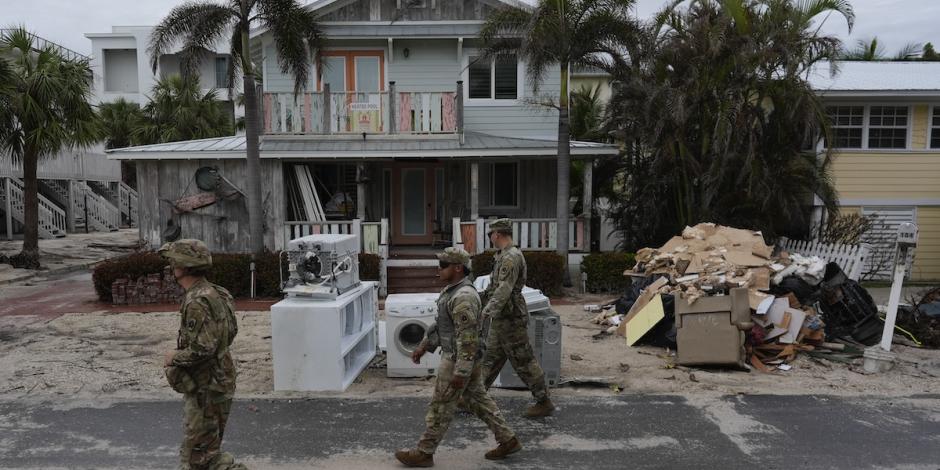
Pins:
x,y
384,112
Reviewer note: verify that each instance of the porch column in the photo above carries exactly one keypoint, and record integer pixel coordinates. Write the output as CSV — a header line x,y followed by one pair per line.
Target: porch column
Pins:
x,y
360,191
587,202
474,190
9,208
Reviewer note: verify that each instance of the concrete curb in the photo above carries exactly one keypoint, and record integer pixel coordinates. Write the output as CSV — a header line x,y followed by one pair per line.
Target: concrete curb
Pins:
x,y
51,272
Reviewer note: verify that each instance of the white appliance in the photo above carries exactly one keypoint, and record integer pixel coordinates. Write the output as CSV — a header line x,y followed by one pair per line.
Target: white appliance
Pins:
x,y
322,266
535,300
323,345
407,319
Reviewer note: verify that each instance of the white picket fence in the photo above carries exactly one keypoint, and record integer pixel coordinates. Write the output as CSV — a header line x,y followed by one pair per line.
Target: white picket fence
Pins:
x,y
851,258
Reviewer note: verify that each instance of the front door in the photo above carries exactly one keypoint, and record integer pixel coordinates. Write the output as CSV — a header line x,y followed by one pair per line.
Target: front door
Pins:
x,y
414,203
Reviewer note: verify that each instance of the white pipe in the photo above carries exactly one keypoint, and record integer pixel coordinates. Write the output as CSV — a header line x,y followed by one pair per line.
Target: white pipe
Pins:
x,y
900,268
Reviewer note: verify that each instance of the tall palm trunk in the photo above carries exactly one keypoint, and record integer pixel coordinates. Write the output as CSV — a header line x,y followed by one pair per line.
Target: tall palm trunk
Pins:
x,y
564,170
253,154
29,256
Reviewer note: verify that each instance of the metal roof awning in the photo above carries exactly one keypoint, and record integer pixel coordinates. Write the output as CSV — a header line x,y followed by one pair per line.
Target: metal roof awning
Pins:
x,y
475,145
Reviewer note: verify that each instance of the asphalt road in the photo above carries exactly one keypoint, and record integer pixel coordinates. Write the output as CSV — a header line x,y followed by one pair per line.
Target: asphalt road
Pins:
x,y
624,432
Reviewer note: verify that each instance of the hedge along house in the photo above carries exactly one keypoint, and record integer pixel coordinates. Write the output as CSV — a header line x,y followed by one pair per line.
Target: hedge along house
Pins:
x,y
886,125
404,138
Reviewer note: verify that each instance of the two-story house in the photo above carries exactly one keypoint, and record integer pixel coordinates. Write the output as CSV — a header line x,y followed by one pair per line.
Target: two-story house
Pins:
x,y
886,125
79,189
121,64
401,135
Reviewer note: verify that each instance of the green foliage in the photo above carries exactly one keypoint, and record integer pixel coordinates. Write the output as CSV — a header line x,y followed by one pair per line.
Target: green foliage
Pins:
x,y
132,266
178,110
545,269
605,271
587,113
717,119
120,119
369,267
871,50
229,270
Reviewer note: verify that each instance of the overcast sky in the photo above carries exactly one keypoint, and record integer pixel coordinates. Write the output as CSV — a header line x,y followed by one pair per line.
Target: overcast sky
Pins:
x,y
895,22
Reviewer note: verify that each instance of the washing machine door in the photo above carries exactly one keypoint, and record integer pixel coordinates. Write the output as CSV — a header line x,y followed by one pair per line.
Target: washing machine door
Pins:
x,y
409,334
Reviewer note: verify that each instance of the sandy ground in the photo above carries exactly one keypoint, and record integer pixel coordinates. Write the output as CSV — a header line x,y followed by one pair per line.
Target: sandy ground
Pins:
x,y
100,356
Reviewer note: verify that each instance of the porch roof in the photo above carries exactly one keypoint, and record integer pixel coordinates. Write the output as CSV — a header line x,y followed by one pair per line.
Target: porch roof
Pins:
x,y
476,145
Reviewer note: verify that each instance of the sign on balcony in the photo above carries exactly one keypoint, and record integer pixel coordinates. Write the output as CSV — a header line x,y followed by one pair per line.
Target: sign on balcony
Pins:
x,y
365,116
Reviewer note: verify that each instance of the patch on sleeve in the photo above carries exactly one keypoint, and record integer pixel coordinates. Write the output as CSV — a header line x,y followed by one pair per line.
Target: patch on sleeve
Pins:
x,y
191,324
464,319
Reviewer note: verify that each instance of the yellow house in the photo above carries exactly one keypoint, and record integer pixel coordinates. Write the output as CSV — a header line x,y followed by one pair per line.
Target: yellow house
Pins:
x,y
886,126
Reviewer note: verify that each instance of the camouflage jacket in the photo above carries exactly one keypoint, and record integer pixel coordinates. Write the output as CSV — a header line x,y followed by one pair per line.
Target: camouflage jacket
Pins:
x,y
207,329
503,296
457,330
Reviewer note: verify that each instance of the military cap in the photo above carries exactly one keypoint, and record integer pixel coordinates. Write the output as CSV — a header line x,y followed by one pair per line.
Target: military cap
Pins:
x,y
454,255
187,253
501,226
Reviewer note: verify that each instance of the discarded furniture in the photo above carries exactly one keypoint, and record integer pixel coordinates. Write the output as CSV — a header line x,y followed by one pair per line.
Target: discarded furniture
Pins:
x,y
711,330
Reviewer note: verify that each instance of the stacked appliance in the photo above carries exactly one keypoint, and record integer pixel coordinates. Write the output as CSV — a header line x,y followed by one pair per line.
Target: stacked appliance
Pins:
x,y
324,332
544,335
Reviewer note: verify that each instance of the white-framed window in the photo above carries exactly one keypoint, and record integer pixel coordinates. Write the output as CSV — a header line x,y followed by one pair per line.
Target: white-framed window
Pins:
x,y
875,127
496,81
887,127
935,128
848,124
504,184
221,72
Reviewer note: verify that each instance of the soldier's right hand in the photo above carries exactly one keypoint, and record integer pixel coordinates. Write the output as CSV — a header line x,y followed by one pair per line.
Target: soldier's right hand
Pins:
x,y
417,354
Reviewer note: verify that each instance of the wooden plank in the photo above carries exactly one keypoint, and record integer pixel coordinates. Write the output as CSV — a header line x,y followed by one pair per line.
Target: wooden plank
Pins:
x,y
425,112
308,113
267,112
435,110
449,112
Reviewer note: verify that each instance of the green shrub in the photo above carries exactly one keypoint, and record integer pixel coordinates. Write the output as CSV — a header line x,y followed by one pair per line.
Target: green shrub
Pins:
x,y
605,271
132,266
369,266
229,270
545,269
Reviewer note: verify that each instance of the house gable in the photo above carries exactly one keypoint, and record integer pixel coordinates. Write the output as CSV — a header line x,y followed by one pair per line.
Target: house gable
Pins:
x,y
409,10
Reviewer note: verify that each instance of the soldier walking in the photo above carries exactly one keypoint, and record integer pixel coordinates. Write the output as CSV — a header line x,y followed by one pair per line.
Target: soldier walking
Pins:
x,y
457,333
201,367
509,332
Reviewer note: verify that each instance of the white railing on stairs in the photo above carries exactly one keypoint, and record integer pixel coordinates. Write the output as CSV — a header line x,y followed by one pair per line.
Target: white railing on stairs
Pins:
x,y
52,220
129,201
102,215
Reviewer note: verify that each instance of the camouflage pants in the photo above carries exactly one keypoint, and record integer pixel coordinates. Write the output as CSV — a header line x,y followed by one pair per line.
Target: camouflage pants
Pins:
x,y
205,414
508,339
444,406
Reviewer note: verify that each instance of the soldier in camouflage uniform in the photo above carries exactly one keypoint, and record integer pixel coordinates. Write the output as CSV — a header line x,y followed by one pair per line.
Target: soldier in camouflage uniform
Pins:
x,y
201,367
509,332
457,333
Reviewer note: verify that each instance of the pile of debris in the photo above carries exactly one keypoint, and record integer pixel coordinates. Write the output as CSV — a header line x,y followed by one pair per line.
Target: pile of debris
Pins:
x,y
762,308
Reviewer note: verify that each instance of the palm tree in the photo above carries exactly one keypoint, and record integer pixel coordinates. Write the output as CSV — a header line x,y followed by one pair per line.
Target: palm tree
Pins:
x,y
199,25
870,50
564,34
718,119
119,119
43,109
178,110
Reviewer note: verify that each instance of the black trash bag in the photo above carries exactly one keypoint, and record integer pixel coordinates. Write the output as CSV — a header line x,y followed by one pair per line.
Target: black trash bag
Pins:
x,y
664,333
804,292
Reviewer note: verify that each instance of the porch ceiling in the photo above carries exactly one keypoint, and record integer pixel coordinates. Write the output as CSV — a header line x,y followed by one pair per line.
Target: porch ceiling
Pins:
x,y
476,145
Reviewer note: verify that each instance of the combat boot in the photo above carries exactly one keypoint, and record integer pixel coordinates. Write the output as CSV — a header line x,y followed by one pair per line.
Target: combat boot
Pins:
x,y
509,447
540,409
415,458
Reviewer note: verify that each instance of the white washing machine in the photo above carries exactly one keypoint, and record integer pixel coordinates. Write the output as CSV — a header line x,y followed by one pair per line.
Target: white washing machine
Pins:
x,y
407,319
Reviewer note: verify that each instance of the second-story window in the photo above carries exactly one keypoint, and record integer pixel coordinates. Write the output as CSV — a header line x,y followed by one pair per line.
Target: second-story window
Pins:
x,y
495,79
848,123
935,128
887,127
221,72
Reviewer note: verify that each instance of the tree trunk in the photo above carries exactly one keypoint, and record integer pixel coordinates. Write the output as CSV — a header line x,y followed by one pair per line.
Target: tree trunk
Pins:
x,y
29,256
253,157
564,172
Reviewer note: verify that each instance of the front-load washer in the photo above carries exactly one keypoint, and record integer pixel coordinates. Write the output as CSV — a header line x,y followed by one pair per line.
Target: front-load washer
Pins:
x,y
407,319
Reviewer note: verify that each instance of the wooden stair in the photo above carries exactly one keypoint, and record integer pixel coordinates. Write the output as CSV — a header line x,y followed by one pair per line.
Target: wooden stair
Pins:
x,y
411,279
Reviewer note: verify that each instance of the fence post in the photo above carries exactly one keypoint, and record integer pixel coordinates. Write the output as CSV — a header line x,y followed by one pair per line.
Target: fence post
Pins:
x,y
327,111
392,124
357,231
460,110
457,235
481,237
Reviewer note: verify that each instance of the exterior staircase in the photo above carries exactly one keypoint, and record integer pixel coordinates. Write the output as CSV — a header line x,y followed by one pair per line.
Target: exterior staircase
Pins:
x,y
410,273
103,216
128,203
53,222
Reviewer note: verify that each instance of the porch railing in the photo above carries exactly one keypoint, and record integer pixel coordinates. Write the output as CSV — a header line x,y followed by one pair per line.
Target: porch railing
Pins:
x,y
529,234
386,112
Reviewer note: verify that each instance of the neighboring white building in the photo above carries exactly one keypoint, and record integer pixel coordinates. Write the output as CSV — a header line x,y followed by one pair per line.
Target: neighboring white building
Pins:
x,y
121,64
